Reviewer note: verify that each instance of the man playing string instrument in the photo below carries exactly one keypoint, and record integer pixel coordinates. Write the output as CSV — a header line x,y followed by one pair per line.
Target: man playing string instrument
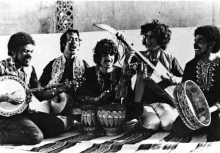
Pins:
x,y
68,66
25,128
157,110
204,70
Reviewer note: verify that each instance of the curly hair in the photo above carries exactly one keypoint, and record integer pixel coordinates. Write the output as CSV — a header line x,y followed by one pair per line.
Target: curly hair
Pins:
x,y
211,33
18,40
63,38
105,46
162,32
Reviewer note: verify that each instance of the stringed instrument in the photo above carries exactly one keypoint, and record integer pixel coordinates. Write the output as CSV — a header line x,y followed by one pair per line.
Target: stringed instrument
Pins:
x,y
10,84
159,71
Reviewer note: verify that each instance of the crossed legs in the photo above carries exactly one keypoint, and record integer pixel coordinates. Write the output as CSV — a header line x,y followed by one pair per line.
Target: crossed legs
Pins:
x,y
158,115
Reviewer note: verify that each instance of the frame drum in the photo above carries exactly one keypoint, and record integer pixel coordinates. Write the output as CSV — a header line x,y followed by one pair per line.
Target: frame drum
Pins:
x,y
192,105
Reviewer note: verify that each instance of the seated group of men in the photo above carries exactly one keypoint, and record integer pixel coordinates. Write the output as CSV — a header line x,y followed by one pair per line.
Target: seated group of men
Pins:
x,y
105,83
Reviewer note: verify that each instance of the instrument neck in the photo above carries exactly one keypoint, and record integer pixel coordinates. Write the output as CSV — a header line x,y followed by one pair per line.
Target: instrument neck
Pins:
x,y
44,88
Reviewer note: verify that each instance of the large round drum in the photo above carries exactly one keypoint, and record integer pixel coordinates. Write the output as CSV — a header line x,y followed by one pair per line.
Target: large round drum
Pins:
x,y
192,105
89,119
111,118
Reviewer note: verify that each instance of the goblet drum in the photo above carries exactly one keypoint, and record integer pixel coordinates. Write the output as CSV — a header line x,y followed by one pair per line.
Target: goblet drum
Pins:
x,y
111,118
192,105
89,119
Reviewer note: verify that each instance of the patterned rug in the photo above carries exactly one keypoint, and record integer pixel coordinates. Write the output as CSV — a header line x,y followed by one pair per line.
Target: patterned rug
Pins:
x,y
129,142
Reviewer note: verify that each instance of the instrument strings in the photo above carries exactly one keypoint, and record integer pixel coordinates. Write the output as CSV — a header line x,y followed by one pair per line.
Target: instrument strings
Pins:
x,y
157,74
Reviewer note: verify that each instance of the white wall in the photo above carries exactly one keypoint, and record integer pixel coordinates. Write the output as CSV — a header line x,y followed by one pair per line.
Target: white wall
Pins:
x,y
39,16
48,45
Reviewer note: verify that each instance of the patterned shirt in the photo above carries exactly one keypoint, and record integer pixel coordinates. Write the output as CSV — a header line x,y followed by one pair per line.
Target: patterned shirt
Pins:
x,y
26,74
149,95
67,75
206,76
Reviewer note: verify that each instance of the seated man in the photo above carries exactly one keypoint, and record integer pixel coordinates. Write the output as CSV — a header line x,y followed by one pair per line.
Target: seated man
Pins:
x,y
66,67
159,111
204,70
104,81
24,128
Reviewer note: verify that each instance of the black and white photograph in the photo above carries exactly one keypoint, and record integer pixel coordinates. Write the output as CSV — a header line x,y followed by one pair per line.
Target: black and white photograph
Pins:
x,y
109,76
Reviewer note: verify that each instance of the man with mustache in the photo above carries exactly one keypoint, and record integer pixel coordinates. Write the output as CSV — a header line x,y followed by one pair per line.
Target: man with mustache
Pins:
x,y
65,68
204,70
102,85
25,128
158,112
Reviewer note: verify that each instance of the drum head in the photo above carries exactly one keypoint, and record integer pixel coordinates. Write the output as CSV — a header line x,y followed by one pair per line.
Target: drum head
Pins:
x,y
10,84
113,107
197,103
192,105
88,107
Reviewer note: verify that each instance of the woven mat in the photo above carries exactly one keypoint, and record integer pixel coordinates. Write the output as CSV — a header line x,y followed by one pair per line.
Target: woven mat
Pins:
x,y
129,142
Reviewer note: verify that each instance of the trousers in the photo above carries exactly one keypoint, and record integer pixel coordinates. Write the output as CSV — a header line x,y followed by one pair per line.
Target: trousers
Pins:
x,y
212,131
29,129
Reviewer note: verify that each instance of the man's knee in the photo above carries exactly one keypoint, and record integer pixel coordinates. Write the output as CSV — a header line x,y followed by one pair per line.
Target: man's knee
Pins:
x,y
34,138
167,119
150,119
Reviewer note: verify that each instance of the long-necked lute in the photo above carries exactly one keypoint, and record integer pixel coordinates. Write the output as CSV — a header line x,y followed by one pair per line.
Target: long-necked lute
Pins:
x,y
165,90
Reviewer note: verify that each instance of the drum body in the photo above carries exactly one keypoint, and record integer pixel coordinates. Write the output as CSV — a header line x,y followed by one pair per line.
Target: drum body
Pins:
x,y
10,84
111,118
89,119
192,105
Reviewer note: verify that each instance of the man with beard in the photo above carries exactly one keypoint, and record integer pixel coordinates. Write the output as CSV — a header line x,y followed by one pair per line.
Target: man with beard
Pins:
x,y
204,70
158,112
102,85
25,128
67,67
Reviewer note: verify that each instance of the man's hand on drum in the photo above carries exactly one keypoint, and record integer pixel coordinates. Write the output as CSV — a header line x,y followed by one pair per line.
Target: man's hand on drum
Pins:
x,y
15,97
104,96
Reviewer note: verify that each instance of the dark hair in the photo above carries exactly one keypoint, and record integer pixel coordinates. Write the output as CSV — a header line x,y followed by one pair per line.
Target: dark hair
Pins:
x,y
63,38
18,40
105,46
162,32
211,33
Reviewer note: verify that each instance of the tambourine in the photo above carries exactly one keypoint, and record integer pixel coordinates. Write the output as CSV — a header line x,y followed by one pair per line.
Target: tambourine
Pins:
x,y
192,105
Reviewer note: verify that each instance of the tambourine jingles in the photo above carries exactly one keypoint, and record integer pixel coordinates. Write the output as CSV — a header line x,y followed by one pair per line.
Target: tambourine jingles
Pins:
x,y
192,105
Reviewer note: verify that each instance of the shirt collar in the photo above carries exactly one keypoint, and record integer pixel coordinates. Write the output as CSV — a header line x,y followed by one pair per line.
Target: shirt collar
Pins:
x,y
148,54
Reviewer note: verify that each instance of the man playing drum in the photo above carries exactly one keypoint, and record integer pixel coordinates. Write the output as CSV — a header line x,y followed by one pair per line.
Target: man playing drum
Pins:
x,y
104,82
25,127
65,67
157,109
204,70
